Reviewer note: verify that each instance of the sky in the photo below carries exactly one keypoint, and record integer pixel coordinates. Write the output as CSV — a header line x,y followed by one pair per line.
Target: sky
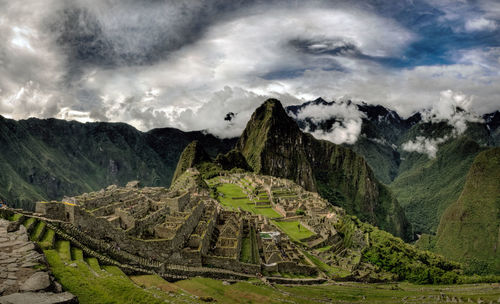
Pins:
x,y
186,64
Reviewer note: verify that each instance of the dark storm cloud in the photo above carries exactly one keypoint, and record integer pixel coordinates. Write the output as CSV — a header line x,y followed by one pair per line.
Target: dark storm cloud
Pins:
x,y
111,33
188,63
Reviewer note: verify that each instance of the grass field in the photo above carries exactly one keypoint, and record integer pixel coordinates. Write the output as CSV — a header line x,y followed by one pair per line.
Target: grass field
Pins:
x,y
294,230
345,292
230,191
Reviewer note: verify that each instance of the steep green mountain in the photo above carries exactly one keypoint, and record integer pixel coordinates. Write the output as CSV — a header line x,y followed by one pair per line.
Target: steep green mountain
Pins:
x,y
193,155
426,187
469,230
273,144
47,159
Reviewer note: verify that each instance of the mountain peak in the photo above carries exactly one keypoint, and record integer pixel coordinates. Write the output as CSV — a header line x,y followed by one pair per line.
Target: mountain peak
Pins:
x,y
271,107
273,144
269,121
193,155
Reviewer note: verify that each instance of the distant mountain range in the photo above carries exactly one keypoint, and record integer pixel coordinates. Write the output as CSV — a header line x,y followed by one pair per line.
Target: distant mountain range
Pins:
x,y
45,159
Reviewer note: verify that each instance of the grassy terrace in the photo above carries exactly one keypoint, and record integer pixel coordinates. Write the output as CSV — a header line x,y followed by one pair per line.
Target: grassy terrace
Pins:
x,y
231,191
231,196
294,230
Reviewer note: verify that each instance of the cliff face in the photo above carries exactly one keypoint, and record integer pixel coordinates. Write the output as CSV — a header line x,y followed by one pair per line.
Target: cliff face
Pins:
x,y
469,230
273,144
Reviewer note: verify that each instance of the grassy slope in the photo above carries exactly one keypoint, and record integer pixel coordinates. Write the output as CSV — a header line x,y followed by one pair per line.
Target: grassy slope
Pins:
x,y
426,187
469,228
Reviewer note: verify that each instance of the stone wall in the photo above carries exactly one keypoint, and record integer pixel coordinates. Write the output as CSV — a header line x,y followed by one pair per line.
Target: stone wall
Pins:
x,y
179,203
127,221
291,267
231,264
155,218
52,210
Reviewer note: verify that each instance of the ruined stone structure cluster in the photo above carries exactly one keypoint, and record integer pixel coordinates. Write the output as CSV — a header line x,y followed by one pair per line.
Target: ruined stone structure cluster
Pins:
x,y
158,229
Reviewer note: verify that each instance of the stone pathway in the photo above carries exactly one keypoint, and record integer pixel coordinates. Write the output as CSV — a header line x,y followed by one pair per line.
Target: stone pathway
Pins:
x,y
20,281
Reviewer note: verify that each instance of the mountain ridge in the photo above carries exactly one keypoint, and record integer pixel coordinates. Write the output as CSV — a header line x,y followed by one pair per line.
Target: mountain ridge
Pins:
x,y
47,159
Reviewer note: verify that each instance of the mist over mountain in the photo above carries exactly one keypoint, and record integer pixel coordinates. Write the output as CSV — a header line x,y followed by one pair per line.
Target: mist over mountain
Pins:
x,y
424,158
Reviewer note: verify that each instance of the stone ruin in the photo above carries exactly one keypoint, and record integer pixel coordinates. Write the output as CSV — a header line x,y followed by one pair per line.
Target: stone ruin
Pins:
x,y
155,229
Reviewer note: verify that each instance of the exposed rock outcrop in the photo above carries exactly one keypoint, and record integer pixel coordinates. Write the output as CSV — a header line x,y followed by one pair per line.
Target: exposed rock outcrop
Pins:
x,y
20,282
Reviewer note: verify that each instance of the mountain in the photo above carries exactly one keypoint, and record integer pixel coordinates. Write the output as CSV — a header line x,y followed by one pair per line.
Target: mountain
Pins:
x,y
273,144
469,230
45,159
424,186
192,156
380,130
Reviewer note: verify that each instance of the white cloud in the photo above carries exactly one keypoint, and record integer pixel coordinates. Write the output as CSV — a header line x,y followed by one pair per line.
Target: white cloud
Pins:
x,y
453,108
224,67
480,24
347,127
424,145
347,132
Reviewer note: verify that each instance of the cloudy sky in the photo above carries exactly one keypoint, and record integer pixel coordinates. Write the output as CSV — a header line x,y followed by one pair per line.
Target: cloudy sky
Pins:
x,y
186,64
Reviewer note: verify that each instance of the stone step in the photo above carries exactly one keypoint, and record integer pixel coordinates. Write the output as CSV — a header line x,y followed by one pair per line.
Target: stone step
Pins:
x,y
93,263
64,250
38,231
48,239
76,254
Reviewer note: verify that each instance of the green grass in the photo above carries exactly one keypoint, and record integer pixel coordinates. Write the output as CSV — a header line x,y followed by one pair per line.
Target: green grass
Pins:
x,y
246,250
115,270
76,254
323,249
15,217
48,239
93,263
63,248
231,191
249,248
331,271
344,292
29,222
37,232
108,287
155,281
293,231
